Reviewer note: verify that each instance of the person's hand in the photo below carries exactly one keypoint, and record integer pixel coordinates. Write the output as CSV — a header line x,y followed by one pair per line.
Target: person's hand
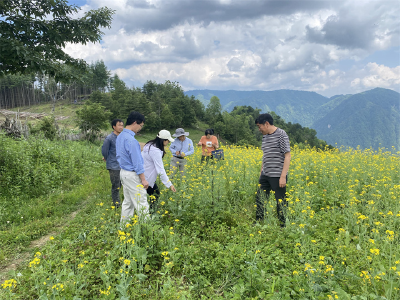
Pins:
x,y
183,154
199,144
145,184
104,159
177,153
173,188
282,182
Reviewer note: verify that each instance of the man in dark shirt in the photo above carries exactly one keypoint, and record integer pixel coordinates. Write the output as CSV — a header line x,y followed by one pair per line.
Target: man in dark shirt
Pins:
x,y
110,157
275,165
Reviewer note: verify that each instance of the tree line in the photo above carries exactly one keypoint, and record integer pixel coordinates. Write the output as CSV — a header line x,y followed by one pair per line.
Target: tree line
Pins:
x,y
164,104
25,90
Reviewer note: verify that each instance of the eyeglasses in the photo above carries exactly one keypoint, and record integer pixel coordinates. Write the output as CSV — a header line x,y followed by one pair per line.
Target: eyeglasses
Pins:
x,y
141,125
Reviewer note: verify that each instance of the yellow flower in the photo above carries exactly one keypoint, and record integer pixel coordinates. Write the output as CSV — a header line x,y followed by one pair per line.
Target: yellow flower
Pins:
x,y
374,251
11,283
52,238
127,262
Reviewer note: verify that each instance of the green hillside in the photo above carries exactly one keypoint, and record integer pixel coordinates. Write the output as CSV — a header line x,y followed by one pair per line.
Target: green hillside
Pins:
x,y
293,106
368,119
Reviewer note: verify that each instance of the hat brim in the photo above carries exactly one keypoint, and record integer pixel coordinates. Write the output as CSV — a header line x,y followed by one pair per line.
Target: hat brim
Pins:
x,y
176,135
171,139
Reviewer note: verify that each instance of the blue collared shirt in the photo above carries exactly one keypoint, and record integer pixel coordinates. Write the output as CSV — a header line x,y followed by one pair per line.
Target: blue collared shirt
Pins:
x,y
109,152
186,147
128,152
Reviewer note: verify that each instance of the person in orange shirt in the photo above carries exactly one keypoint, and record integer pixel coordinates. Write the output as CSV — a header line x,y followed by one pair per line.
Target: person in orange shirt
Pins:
x,y
209,143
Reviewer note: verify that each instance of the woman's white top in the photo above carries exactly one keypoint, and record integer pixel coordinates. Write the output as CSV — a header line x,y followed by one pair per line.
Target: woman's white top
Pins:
x,y
153,165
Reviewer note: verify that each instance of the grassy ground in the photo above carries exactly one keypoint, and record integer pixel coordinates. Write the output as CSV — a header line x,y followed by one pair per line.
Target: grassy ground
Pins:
x,y
341,239
63,108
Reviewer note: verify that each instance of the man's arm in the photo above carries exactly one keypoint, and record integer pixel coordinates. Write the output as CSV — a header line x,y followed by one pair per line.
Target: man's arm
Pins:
x,y
172,148
105,148
145,183
285,169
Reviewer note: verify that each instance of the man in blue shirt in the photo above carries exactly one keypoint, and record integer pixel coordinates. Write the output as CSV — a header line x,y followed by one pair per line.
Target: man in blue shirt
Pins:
x,y
110,157
180,149
132,171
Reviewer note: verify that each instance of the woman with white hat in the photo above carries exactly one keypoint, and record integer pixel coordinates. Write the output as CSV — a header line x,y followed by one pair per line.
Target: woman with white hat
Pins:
x,y
153,153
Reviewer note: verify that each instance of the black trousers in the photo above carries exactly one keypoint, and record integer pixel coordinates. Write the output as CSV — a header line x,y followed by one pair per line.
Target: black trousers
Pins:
x,y
155,192
115,187
268,184
206,158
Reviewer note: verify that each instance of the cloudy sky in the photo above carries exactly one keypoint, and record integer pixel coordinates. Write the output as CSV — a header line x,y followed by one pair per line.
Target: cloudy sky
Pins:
x,y
330,47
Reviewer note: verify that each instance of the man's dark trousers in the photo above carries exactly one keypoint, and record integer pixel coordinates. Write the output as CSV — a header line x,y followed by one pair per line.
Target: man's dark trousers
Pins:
x,y
268,184
115,186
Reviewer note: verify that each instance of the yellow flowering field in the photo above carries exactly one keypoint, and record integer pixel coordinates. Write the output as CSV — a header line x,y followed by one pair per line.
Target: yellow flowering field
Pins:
x,y
341,239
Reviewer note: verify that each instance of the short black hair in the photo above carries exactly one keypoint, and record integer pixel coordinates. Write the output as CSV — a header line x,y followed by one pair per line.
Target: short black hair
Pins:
x,y
261,119
209,131
115,121
133,117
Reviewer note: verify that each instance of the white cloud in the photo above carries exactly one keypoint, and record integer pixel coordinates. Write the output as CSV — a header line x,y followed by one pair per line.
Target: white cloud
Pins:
x,y
381,76
267,45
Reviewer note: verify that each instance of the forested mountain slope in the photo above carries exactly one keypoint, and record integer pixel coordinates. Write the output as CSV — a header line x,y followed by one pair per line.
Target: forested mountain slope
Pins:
x,y
293,106
368,119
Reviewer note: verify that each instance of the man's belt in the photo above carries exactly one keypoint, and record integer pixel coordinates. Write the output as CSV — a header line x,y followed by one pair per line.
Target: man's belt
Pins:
x,y
180,157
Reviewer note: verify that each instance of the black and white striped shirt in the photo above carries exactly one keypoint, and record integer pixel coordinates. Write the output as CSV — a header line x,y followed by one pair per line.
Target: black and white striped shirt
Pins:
x,y
274,147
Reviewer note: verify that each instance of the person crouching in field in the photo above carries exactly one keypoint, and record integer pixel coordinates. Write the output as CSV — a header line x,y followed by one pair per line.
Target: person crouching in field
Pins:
x,y
109,152
153,153
208,143
132,171
275,165
180,148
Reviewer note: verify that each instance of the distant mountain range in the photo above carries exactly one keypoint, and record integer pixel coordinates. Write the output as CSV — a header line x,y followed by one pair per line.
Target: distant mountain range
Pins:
x,y
368,119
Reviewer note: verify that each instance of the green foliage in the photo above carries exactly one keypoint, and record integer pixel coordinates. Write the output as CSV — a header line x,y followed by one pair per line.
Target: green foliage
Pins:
x,y
41,181
91,119
34,34
213,110
340,237
46,126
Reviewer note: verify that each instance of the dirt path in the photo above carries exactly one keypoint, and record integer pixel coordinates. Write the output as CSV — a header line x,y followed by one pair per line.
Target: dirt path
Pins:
x,y
23,257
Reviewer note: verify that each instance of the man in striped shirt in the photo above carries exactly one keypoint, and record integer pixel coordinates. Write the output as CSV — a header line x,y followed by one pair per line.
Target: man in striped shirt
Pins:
x,y
275,165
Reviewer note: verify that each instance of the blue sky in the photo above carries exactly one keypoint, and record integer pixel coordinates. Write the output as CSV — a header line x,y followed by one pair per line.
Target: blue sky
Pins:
x,y
330,47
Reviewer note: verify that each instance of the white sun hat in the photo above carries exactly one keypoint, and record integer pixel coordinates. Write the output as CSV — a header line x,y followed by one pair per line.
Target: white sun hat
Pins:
x,y
166,135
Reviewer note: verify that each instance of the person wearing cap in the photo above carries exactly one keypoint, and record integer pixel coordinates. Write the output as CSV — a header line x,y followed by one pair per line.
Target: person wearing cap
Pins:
x,y
208,143
132,171
180,149
153,153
